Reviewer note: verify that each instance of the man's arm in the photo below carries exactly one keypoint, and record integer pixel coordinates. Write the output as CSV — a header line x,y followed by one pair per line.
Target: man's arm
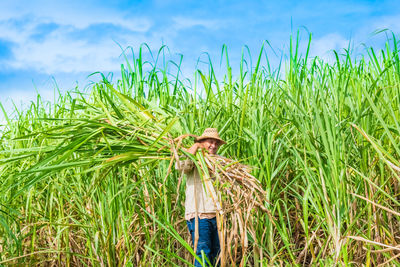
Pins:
x,y
193,148
187,165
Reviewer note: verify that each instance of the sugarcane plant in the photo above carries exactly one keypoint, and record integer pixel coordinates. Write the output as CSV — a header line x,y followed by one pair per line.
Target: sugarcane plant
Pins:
x,y
309,174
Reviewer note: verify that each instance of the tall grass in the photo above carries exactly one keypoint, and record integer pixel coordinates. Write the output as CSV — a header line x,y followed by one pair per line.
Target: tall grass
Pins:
x,y
78,187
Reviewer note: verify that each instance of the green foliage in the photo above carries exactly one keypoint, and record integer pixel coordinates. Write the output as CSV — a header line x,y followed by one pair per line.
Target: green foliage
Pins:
x,y
79,186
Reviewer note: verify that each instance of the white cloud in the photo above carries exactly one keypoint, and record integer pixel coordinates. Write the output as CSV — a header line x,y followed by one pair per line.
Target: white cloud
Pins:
x,y
323,47
387,22
188,22
59,52
79,14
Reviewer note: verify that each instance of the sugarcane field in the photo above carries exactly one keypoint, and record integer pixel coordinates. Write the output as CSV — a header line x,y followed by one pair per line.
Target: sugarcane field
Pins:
x,y
293,165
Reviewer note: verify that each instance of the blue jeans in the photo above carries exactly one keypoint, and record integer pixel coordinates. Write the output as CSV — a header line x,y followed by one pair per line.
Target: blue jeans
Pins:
x,y
208,239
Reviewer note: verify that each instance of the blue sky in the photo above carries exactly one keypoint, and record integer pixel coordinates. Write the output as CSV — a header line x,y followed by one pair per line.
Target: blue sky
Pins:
x,y
43,42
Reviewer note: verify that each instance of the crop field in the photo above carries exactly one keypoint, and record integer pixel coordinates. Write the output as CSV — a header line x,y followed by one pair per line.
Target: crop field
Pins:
x,y
89,180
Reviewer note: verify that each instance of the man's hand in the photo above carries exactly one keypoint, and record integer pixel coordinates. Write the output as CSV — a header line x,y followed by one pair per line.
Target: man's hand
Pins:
x,y
193,149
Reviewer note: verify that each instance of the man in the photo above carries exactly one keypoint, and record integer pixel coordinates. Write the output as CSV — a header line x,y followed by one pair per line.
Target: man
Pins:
x,y
199,201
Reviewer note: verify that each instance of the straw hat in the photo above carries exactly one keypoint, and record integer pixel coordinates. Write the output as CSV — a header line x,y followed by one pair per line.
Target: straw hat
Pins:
x,y
210,133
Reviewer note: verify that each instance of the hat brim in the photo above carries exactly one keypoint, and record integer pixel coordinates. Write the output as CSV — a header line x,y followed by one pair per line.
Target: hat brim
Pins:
x,y
209,137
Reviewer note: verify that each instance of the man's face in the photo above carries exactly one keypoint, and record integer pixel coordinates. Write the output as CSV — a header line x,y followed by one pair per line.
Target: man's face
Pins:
x,y
211,145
